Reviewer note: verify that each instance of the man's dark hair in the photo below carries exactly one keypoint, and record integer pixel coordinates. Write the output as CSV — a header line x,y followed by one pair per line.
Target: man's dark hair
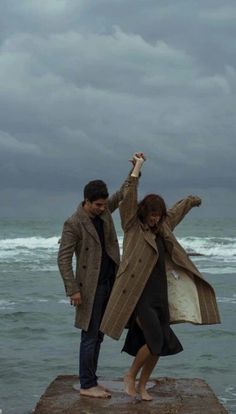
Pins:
x,y
94,190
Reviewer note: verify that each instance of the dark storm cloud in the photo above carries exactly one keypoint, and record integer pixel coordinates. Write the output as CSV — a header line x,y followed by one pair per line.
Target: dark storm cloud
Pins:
x,y
85,84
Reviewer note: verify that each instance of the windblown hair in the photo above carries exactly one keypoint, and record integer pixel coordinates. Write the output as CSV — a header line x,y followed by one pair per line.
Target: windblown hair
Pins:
x,y
94,190
152,203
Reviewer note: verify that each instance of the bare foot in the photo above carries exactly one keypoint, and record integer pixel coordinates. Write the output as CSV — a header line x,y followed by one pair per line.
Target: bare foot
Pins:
x,y
95,392
129,385
104,389
145,395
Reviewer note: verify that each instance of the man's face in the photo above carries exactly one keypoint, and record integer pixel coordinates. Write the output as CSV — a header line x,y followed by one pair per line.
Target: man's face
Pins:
x,y
95,208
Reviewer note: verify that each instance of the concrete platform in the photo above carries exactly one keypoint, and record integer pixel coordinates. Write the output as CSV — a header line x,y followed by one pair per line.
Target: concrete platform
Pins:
x,y
170,396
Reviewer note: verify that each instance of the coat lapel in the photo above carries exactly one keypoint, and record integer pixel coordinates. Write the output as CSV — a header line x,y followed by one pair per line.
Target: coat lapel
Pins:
x,y
87,223
149,236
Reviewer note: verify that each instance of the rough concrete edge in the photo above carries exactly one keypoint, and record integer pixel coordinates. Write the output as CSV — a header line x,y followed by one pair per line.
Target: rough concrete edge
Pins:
x,y
155,381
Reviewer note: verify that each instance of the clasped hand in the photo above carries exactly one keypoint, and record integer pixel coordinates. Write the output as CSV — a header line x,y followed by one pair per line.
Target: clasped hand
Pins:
x,y
138,157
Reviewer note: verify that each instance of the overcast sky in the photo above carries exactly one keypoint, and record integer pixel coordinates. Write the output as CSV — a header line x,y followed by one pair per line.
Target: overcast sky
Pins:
x,y
84,84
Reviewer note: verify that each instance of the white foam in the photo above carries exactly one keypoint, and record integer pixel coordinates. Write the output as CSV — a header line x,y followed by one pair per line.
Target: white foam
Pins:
x,y
30,243
229,398
217,270
29,249
64,301
6,304
223,247
47,268
231,389
227,299
218,254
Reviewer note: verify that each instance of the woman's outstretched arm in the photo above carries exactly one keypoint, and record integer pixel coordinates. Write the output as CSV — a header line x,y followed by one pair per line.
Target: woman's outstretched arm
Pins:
x,y
180,209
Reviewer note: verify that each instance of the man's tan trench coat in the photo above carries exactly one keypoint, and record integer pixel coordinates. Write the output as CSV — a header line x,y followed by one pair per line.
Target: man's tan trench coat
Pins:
x,y
80,237
190,297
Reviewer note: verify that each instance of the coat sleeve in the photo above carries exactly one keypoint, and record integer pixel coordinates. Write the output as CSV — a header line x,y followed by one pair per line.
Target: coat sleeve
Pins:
x,y
180,209
114,200
129,204
68,243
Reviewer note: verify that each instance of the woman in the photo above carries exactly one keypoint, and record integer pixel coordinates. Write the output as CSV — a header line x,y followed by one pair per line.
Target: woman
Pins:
x,y
156,284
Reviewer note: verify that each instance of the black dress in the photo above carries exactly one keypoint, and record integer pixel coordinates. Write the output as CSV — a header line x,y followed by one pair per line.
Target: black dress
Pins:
x,y
152,314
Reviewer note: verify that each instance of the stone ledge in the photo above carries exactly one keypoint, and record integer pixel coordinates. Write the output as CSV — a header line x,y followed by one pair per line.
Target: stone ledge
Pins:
x,y
170,396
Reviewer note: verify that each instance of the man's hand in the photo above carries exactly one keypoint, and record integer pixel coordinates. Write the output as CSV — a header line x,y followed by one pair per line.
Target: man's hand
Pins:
x,y
75,299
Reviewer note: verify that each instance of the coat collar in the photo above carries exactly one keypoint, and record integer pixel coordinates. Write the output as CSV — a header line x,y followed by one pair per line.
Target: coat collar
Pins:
x,y
149,236
84,218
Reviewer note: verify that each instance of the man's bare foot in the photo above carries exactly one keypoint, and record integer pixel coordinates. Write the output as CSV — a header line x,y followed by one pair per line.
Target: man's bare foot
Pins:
x,y
104,389
144,394
94,392
129,385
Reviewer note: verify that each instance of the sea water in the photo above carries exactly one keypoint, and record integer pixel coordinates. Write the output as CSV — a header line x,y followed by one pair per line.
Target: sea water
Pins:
x,y
39,341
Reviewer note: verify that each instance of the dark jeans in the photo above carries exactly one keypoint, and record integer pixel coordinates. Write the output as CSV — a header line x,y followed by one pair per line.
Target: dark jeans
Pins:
x,y
92,338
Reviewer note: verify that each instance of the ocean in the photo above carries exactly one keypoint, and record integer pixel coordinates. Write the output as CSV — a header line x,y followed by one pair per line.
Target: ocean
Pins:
x,y
39,341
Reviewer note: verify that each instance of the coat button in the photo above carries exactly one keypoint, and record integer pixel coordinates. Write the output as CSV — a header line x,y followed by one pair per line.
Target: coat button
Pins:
x,y
86,248
132,275
81,284
84,267
124,291
140,260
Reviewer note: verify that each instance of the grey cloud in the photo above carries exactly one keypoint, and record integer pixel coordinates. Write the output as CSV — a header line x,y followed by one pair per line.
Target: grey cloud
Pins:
x,y
12,145
85,84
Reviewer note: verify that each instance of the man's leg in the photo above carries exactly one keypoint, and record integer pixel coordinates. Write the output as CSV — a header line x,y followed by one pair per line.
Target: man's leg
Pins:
x,y
90,347
97,349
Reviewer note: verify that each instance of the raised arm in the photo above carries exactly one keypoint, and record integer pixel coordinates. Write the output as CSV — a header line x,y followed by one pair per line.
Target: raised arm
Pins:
x,y
115,199
128,205
180,209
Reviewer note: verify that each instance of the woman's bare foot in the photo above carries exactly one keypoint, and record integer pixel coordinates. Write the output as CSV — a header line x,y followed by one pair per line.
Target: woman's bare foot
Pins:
x,y
144,394
95,392
129,385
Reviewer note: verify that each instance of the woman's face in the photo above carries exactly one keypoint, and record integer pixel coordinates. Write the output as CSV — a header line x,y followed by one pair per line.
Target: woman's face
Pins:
x,y
153,219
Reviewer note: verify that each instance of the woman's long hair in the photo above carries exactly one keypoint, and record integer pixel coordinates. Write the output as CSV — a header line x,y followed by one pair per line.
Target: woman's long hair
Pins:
x,y
152,203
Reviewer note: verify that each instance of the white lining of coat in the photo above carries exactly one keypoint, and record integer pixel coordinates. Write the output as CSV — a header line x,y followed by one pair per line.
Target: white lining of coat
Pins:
x,y
183,298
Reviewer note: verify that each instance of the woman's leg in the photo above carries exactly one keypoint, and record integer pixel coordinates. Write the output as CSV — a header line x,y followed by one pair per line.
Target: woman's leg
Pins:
x,y
144,360
147,369
139,361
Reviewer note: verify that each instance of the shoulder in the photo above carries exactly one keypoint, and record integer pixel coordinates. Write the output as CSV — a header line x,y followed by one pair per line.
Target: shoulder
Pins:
x,y
165,228
73,222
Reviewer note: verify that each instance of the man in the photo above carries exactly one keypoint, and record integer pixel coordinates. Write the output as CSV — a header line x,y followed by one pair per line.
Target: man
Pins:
x,y
90,234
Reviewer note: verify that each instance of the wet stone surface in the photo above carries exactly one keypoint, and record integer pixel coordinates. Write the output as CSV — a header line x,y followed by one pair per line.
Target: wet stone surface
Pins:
x,y
170,396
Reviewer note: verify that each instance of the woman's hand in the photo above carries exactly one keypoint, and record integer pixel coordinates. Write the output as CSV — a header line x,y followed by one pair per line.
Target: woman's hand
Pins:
x,y
196,201
138,156
137,161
